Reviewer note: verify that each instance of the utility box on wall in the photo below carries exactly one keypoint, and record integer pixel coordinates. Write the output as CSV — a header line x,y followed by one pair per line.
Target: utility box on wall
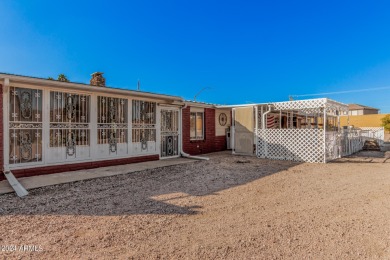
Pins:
x,y
228,139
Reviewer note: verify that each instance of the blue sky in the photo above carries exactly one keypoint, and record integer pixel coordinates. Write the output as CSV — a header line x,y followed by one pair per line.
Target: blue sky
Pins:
x,y
242,51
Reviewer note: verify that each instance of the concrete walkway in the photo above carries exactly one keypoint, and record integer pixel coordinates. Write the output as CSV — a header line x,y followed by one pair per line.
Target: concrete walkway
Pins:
x,y
65,177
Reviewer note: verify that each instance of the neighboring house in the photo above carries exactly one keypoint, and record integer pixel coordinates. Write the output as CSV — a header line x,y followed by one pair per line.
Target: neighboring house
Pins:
x,y
51,126
357,110
373,121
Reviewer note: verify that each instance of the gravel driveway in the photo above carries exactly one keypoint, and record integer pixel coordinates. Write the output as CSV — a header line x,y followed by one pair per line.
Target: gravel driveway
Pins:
x,y
230,207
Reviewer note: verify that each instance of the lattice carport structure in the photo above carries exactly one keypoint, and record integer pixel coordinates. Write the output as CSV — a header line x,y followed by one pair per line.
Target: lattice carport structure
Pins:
x,y
302,130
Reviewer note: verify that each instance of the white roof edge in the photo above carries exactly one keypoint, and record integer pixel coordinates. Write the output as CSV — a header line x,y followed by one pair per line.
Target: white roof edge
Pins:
x,y
86,87
241,105
327,100
195,104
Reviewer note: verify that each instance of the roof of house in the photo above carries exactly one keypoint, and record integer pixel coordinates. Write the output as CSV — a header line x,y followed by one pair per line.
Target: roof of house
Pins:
x,y
77,85
200,104
360,107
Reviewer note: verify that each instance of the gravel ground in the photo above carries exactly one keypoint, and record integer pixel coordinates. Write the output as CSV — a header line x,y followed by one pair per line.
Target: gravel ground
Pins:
x,y
231,207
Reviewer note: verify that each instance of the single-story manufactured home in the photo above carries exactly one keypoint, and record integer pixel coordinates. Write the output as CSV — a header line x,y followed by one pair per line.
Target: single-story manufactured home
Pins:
x,y
51,126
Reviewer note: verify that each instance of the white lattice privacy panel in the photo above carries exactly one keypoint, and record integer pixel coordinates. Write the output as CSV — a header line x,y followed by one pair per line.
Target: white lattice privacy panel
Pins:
x,y
304,145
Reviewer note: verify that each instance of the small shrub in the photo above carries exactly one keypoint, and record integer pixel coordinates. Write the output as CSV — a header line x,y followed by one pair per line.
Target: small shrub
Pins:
x,y
386,122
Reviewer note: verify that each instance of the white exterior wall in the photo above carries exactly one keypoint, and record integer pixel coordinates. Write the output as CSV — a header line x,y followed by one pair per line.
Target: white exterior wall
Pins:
x,y
93,152
220,130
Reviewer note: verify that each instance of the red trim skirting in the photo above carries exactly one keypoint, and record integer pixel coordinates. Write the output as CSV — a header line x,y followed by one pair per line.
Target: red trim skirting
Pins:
x,y
79,166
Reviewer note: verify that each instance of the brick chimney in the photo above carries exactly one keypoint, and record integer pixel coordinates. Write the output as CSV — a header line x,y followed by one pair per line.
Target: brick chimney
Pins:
x,y
97,79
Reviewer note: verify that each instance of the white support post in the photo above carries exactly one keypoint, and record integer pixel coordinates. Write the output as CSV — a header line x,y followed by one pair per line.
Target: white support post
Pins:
x,y
45,125
339,143
179,137
307,124
129,127
232,134
338,122
261,112
6,88
280,119
93,127
324,125
158,129
256,127
287,117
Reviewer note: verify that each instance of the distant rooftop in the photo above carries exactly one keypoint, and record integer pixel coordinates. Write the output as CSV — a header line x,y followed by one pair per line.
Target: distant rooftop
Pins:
x,y
360,107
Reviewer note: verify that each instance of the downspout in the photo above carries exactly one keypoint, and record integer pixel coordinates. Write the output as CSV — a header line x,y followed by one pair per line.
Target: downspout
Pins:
x,y
264,115
264,127
186,155
182,153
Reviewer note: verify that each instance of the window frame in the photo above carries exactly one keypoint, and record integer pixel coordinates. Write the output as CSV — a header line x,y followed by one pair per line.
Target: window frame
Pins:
x,y
143,129
196,137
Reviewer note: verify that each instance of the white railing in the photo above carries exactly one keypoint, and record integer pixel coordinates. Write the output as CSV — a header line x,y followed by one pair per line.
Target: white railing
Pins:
x,y
376,133
332,145
352,141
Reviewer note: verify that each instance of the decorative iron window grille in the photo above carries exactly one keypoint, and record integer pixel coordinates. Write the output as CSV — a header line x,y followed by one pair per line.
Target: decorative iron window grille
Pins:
x,y
143,113
25,125
112,121
69,121
143,122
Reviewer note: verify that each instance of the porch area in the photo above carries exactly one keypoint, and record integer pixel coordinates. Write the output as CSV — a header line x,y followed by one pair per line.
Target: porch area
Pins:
x,y
301,130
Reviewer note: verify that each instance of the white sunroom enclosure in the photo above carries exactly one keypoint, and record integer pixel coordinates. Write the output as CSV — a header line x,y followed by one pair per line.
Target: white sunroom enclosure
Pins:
x,y
50,122
302,130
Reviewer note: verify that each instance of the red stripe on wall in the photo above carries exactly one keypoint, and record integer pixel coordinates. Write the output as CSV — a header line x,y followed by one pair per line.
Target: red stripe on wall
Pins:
x,y
79,166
